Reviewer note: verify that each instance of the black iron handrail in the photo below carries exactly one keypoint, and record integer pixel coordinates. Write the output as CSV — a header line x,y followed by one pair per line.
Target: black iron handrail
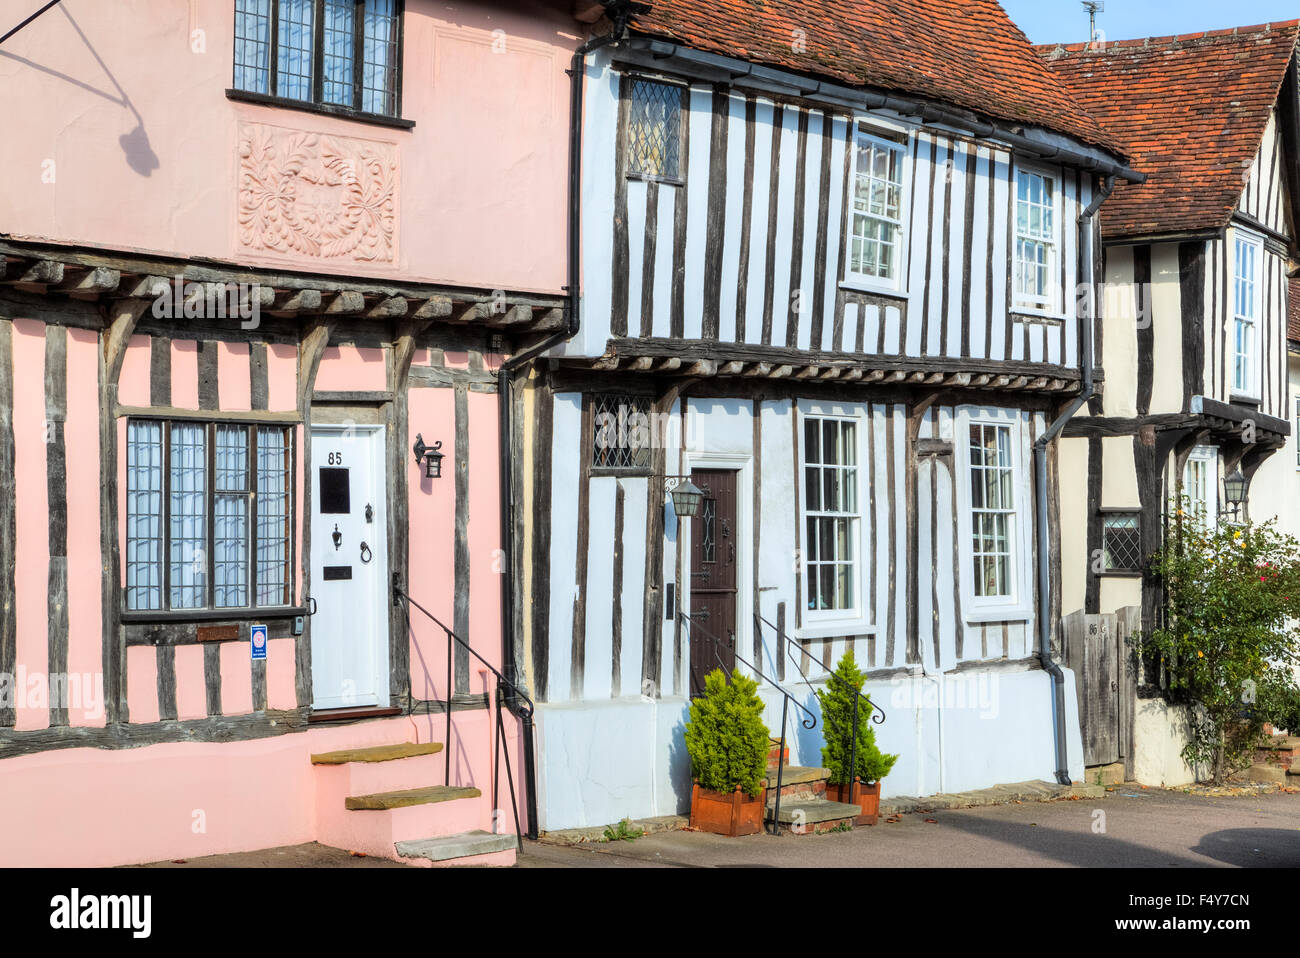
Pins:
x,y
878,719
527,710
809,723
790,643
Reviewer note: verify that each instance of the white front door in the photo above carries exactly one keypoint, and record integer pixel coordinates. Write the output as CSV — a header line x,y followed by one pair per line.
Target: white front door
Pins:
x,y
349,568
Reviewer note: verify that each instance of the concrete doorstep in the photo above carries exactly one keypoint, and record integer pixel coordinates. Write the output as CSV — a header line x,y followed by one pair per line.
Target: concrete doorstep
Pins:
x,y
596,833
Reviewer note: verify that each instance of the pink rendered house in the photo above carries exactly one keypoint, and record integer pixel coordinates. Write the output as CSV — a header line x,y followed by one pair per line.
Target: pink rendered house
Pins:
x,y
253,253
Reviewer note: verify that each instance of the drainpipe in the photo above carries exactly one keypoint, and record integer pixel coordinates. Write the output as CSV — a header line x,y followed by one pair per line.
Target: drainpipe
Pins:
x,y
1052,667
618,13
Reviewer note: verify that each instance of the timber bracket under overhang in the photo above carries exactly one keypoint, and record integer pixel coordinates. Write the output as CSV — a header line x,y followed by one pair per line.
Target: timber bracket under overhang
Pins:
x,y
96,276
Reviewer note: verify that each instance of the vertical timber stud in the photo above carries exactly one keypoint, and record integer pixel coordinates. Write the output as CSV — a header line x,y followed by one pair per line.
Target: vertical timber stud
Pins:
x,y
578,657
541,546
397,418
314,338
56,475
8,521
461,557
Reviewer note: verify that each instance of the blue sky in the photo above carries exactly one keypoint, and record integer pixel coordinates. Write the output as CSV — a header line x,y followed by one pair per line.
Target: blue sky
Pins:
x,y
1065,21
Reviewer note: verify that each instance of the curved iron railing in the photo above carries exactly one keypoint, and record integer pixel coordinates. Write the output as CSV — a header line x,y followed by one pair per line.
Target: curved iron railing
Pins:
x,y
877,713
527,710
809,723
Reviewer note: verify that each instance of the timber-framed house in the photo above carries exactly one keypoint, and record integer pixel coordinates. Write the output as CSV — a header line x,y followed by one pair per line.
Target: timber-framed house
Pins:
x,y
835,276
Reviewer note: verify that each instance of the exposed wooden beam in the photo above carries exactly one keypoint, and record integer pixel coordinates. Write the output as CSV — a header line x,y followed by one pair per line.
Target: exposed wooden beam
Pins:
x,y
758,369
94,281
640,364
550,321
606,363
781,372
668,365
435,307
473,313
122,319
147,287
394,307
42,272
732,368
347,302
514,316
294,301
702,367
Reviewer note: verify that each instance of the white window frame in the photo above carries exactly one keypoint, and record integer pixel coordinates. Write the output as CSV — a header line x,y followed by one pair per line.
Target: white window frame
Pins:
x,y
1295,430
1250,387
835,623
866,281
1019,605
1049,305
1207,456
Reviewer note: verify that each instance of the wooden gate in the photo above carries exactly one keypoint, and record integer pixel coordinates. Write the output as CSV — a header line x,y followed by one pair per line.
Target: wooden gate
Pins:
x,y
1097,649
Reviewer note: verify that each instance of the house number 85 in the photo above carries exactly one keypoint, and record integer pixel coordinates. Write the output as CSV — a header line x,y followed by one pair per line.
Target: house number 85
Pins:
x,y
336,458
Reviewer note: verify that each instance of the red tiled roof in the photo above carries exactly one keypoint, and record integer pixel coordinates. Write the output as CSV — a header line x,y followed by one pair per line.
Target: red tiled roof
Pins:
x,y
962,52
1191,111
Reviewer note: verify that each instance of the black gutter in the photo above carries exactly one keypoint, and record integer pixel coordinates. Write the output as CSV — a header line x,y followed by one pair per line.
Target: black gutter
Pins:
x,y
618,11
1050,665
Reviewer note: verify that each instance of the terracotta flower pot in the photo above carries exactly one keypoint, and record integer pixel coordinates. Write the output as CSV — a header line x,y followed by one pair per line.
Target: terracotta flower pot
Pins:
x,y
866,797
722,814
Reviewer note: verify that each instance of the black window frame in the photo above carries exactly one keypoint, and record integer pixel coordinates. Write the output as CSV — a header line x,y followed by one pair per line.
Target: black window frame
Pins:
x,y
209,610
627,97
1140,560
317,103
642,459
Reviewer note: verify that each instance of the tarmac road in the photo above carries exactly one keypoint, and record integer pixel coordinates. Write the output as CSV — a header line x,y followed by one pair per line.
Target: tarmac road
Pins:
x,y
1139,828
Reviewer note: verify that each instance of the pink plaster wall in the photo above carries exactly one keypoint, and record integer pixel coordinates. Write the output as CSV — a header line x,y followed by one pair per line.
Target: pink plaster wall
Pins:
x,y
85,607
142,684
281,666
236,678
133,380
351,369
145,149
31,572
191,697
188,799
234,379
185,373
432,413
282,377
484,528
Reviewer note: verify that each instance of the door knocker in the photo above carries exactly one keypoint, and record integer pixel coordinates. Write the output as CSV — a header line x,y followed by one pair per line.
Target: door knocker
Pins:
x,y
366,554
370,513
338,537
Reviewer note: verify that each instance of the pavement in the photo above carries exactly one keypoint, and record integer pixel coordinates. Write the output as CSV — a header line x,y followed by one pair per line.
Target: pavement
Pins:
x,y
1130,827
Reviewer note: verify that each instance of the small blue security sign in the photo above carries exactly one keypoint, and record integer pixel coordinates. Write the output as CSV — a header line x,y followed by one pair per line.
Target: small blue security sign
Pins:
x,y
257,637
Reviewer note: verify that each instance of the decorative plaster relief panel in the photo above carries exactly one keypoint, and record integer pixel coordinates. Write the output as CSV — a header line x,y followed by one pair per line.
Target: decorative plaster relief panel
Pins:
x,y
317,196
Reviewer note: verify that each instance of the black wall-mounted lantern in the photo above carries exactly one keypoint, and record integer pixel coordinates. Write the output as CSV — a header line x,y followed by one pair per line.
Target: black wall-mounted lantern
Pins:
x,y
686,496
431,457
1235,486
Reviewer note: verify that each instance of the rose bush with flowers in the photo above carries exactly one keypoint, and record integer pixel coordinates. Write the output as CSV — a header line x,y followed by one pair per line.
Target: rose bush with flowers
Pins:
x,y
1230,634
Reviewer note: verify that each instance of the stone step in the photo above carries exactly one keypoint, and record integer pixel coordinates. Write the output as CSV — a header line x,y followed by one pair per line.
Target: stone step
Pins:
x,y
813,812
1267,774
376,753
479,846
384,801
796,775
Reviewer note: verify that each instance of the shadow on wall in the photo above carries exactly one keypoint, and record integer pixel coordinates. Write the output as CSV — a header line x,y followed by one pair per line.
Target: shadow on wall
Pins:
x,y
679,768
135,144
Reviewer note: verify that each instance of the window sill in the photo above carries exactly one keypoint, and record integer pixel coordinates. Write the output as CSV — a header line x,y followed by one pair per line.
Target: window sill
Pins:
x,y
860,286
999,613
321,109
838,629
1037,315
1119,574
661,180
213,615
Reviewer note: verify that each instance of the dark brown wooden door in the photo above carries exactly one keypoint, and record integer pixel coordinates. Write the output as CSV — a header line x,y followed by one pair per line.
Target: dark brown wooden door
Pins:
x,y
713,576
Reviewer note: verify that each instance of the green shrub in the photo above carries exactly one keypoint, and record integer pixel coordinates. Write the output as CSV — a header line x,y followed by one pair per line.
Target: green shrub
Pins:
x,y
837,723
726,737
1229,638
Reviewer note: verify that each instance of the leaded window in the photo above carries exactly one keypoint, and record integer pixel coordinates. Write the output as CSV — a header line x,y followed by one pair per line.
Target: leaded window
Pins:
x,y
654,129
1121,542
208,515
832,513
622,433
336,53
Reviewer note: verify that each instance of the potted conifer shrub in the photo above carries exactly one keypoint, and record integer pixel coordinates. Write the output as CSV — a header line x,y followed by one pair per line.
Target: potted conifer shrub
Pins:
x,y
853,781
728,744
